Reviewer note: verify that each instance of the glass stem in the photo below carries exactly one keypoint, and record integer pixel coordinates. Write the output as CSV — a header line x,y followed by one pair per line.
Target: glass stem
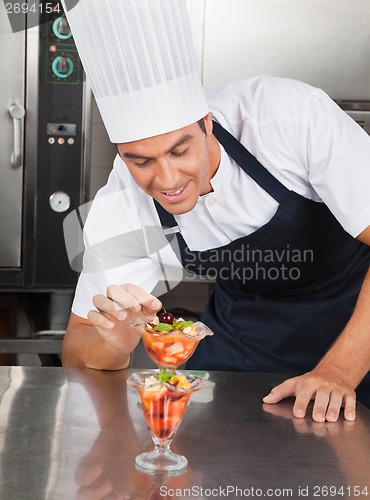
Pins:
x,y
165,448
161,445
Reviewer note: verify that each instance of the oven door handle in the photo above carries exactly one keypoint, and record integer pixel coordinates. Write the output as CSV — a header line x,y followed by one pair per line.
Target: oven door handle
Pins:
x,y
17,112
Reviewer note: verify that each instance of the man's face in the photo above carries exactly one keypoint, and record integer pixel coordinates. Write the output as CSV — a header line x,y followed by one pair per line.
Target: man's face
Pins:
x,y
174,168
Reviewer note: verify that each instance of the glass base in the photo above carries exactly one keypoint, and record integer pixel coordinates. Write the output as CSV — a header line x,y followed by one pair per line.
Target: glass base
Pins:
x,y
161,461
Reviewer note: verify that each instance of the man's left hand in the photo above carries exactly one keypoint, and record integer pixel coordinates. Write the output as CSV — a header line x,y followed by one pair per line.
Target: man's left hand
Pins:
x,y
325,387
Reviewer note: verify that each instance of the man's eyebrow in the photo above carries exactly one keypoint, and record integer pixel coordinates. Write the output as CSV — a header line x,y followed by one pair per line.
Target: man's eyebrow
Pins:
x,y
182,139
134,156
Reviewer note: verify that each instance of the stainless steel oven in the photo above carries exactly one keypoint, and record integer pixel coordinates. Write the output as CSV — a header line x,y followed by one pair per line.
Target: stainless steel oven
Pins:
x,y
44,149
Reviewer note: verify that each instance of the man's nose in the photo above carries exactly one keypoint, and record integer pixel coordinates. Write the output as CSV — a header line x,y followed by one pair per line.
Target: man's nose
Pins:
x,y
167,175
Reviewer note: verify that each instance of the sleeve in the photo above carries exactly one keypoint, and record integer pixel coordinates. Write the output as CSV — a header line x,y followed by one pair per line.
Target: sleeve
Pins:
x,y
336,151
120,249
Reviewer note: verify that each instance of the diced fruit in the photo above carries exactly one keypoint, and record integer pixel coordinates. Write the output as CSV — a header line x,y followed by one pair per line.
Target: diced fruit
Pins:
x,y
164,395
149,381
175,348
162,427
168,339
164,414
154,392
157,346
190,330
180,381
170,350
169,344
170,361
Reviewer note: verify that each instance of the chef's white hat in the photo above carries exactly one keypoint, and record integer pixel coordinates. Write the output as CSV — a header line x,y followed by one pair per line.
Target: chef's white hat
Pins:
x,y
139,57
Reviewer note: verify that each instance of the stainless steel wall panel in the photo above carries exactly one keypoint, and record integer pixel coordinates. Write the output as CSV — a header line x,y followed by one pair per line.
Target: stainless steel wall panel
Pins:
x,y
323,42
12,57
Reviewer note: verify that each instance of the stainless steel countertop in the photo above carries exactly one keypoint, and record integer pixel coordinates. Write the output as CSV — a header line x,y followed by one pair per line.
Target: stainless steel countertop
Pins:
x,y
70,433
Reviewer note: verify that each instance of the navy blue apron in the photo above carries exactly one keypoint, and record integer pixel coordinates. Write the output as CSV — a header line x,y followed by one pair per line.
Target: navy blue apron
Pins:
x,y
282,294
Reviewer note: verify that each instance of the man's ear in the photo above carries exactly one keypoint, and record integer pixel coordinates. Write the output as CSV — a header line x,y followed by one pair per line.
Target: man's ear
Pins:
x,y
208,124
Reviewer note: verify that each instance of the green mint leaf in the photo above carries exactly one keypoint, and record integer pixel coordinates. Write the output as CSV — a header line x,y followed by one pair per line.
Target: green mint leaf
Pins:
x,y
163,327
183,324
165,376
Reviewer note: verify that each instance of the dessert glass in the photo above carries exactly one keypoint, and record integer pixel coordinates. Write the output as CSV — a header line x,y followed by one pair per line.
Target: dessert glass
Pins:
x,y
171,349
164,407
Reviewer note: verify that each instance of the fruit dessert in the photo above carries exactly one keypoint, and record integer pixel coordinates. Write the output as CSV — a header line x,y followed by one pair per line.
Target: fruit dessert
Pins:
x,y
169,341
164,397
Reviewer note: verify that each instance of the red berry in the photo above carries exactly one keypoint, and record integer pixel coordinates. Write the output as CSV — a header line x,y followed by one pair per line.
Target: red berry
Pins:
x,y
166,317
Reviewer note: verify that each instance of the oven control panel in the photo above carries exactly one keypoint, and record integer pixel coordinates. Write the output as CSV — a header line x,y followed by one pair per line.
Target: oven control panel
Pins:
x,y
60,176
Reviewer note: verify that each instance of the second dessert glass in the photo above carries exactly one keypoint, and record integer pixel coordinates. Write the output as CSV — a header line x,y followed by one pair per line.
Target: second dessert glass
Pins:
x,y
163,406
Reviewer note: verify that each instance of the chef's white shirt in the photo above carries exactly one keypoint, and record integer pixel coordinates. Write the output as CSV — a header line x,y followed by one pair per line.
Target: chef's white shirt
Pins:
x,y
296,131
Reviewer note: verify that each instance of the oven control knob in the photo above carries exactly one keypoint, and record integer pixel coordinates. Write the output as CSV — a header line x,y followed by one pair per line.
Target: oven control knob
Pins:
x,y
62,66
61,28
59,201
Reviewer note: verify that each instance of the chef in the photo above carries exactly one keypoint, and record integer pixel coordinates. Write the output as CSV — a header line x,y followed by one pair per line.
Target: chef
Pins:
x,y
263,186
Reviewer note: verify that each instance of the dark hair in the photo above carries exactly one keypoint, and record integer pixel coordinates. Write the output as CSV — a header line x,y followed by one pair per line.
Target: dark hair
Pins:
x,y
202,125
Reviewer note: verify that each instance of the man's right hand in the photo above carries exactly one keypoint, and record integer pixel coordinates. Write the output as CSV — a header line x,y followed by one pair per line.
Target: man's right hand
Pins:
x,y
124,306
106,338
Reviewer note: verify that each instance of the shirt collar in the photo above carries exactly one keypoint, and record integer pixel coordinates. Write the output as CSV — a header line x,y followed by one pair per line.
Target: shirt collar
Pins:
x,y
218,179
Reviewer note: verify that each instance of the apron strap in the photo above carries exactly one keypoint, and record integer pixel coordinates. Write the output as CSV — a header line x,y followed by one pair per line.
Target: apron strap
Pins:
x,y
250,164
168,221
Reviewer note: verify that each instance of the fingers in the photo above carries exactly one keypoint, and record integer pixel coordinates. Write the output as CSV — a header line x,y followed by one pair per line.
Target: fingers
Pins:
x,y
128,295
330,410
329,396
320,406
281,391
101,321
151,307
115,314
121,301
108,308
131,297
291,388
328,404
108,314
350,407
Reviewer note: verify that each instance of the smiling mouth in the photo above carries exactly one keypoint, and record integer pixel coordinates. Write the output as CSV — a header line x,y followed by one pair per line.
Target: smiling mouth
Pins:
x,y
173,193
176,193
